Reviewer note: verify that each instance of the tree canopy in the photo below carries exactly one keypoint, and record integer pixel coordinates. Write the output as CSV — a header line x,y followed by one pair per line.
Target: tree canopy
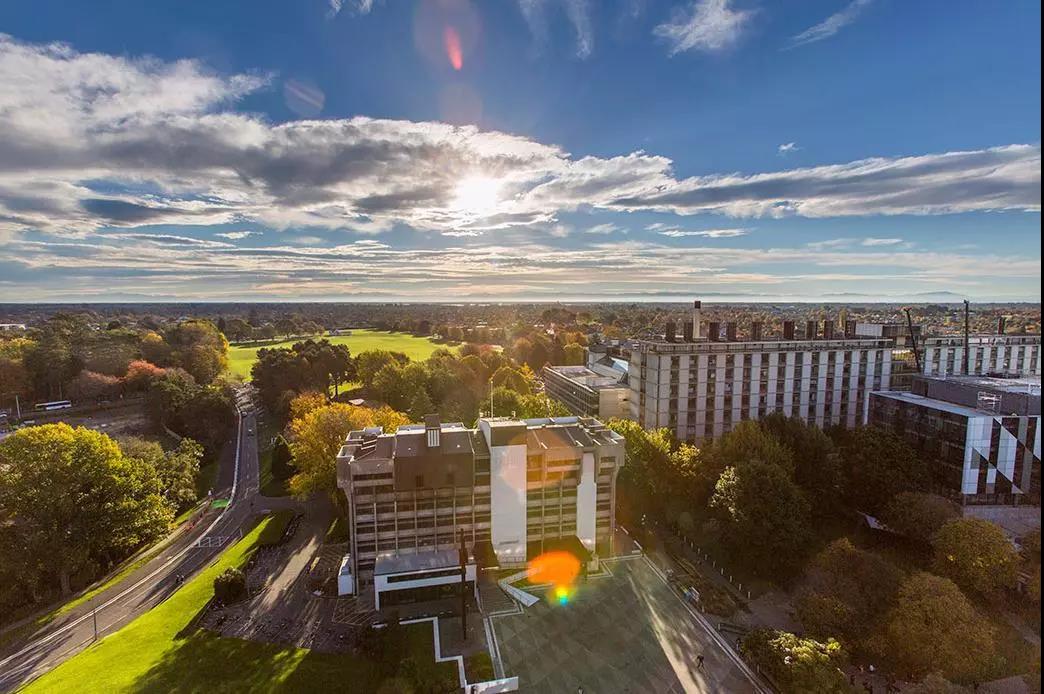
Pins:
x,y
976,554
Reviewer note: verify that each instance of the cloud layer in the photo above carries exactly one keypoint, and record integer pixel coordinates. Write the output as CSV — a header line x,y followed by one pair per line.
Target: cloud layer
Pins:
x,y
94,141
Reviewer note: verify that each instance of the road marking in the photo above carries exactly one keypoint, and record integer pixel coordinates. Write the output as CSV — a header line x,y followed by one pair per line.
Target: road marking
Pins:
x,y
55,634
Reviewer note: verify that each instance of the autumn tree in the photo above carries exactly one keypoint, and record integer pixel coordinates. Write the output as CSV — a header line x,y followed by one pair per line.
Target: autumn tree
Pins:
x,y
317,437
798,665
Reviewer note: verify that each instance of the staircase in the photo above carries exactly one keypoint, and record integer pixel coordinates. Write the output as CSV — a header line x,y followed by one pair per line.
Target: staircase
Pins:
x,y
526,599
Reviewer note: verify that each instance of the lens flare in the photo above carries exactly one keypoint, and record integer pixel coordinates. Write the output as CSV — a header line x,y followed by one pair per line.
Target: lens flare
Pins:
x,y
560,569
451,40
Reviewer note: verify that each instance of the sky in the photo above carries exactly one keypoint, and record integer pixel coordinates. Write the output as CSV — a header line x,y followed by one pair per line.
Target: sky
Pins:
x,y
520,150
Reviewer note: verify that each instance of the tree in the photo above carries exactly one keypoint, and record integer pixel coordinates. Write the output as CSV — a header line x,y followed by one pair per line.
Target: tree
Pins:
x,y
177,469
317,437
766,514
796,664
140,375
918,515
846,592
306,402
936,684
73,498
976,554
574,354
512,378
230,586
878,466
368,363
817,465
199,348
155,349
931,610
283,467
90,385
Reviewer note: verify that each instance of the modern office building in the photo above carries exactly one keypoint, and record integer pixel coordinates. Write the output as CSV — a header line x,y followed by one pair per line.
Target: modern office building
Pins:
x,y
1007,355
702,387
598,390
508,489
982,433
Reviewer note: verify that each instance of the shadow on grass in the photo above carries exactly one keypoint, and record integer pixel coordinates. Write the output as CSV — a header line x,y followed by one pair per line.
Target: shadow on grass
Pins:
x,y
206,662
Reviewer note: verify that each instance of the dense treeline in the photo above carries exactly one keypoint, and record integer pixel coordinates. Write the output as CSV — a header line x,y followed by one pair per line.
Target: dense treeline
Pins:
x,y
74,502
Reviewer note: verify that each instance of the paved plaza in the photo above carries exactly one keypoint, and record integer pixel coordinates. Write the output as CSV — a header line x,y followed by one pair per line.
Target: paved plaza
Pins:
x,y
622,633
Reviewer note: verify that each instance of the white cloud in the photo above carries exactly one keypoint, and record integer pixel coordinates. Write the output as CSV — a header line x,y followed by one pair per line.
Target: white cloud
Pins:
x,y
831,25
706,233
787,148
357,6
577,11
881,242
93,141
710,26
237,235
605,229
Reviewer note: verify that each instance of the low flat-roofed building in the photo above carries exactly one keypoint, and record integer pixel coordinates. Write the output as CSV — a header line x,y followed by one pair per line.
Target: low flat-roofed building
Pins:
x,y
599,390
505,488
982,433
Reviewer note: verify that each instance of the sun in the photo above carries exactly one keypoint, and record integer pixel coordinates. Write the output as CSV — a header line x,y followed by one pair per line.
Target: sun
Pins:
x,y
476,194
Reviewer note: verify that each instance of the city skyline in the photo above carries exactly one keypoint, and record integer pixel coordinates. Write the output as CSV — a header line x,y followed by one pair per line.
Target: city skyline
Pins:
x,y
452,151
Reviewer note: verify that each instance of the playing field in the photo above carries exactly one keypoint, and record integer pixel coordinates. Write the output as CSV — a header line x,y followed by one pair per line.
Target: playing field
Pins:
x,y
240,359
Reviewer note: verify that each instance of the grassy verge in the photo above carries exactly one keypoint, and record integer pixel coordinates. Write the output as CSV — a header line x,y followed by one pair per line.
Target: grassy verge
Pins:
x,y
338,531
152,654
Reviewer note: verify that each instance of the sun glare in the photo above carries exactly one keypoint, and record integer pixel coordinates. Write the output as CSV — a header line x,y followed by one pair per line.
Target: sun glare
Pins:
x,y
477,194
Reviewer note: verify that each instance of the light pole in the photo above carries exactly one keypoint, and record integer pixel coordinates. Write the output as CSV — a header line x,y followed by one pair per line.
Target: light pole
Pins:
x,y
94,616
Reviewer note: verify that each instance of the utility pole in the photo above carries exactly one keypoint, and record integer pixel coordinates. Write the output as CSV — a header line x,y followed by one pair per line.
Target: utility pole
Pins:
x,y
94,616
491,398
967,340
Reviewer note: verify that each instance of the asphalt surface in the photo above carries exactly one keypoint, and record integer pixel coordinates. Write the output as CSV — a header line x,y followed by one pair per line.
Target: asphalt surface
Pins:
x,y
150,584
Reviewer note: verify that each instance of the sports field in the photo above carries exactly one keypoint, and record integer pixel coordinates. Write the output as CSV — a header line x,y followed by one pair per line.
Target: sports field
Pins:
x,y
240,359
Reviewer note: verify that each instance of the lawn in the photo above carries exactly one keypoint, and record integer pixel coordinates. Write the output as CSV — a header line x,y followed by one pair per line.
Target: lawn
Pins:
x,y
241,358
161,651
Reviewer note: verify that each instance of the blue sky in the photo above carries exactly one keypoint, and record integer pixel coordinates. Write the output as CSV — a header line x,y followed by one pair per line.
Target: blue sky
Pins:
x,y
514,150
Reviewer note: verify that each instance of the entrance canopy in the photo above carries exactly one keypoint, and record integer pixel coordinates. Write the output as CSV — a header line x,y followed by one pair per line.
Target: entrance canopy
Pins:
x,y
420,572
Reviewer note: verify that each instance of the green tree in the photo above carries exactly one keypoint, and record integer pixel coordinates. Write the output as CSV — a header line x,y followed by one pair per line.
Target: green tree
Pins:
x,y
846,591
574,354
283,467
177,469
918,515
796,664
75,500
878,466
817,465
368,363
976,554
198,347
934,628
766,515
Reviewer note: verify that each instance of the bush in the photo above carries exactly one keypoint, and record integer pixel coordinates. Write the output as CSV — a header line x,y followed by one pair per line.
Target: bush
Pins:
x,y
230,586
795,664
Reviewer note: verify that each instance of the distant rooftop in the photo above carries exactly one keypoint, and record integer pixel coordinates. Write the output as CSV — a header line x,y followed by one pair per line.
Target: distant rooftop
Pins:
x,y
585,376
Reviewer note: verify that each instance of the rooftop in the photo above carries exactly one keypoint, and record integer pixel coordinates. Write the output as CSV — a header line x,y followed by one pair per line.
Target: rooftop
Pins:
x,y
936,404
587,377
392,563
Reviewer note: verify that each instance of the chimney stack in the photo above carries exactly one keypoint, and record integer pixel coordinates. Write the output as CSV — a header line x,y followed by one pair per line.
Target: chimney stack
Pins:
x,y
687,332
714,331
828,329
810,330
669,333
788,330
1000,325
697,315
730,331
755,331
850,328
433,428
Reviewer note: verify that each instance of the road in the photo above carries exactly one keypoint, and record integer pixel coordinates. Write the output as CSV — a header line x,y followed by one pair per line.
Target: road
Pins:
x,y
150,584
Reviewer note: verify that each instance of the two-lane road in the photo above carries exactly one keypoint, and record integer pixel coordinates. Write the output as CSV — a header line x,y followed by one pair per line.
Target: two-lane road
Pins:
x,y
147,586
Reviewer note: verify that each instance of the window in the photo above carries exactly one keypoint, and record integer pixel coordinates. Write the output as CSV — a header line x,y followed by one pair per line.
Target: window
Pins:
x,y
418,480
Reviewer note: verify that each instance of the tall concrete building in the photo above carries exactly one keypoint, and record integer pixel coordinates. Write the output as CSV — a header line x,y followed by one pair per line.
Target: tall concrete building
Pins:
x,y
509,488
701,387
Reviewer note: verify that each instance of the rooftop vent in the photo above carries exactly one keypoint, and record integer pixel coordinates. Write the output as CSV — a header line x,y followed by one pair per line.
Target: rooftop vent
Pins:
x,y
433,428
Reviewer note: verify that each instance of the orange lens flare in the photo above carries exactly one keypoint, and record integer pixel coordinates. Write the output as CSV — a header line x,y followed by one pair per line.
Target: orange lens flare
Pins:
x,y
560,569
451,39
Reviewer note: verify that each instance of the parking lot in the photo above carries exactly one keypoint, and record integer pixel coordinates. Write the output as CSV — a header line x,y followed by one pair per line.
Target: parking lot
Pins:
x,y
625,632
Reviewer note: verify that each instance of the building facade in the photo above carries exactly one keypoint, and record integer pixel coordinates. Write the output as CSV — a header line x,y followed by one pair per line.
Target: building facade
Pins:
x,y
1009,355
981,434
507,487
597,391
703,388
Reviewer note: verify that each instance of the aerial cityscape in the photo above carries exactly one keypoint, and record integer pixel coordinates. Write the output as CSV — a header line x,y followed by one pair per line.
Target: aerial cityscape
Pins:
x,y
543,346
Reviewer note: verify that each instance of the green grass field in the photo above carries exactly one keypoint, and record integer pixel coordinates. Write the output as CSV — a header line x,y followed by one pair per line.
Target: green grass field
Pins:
x,y
241,358
152,654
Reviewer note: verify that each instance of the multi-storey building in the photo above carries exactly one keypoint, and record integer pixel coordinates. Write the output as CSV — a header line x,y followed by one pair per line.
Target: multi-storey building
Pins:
x,y
1009,355
982,435
597,390
509,488
700,388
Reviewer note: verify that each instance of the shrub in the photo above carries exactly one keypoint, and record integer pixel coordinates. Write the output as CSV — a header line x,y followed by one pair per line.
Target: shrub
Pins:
x,y
230,586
